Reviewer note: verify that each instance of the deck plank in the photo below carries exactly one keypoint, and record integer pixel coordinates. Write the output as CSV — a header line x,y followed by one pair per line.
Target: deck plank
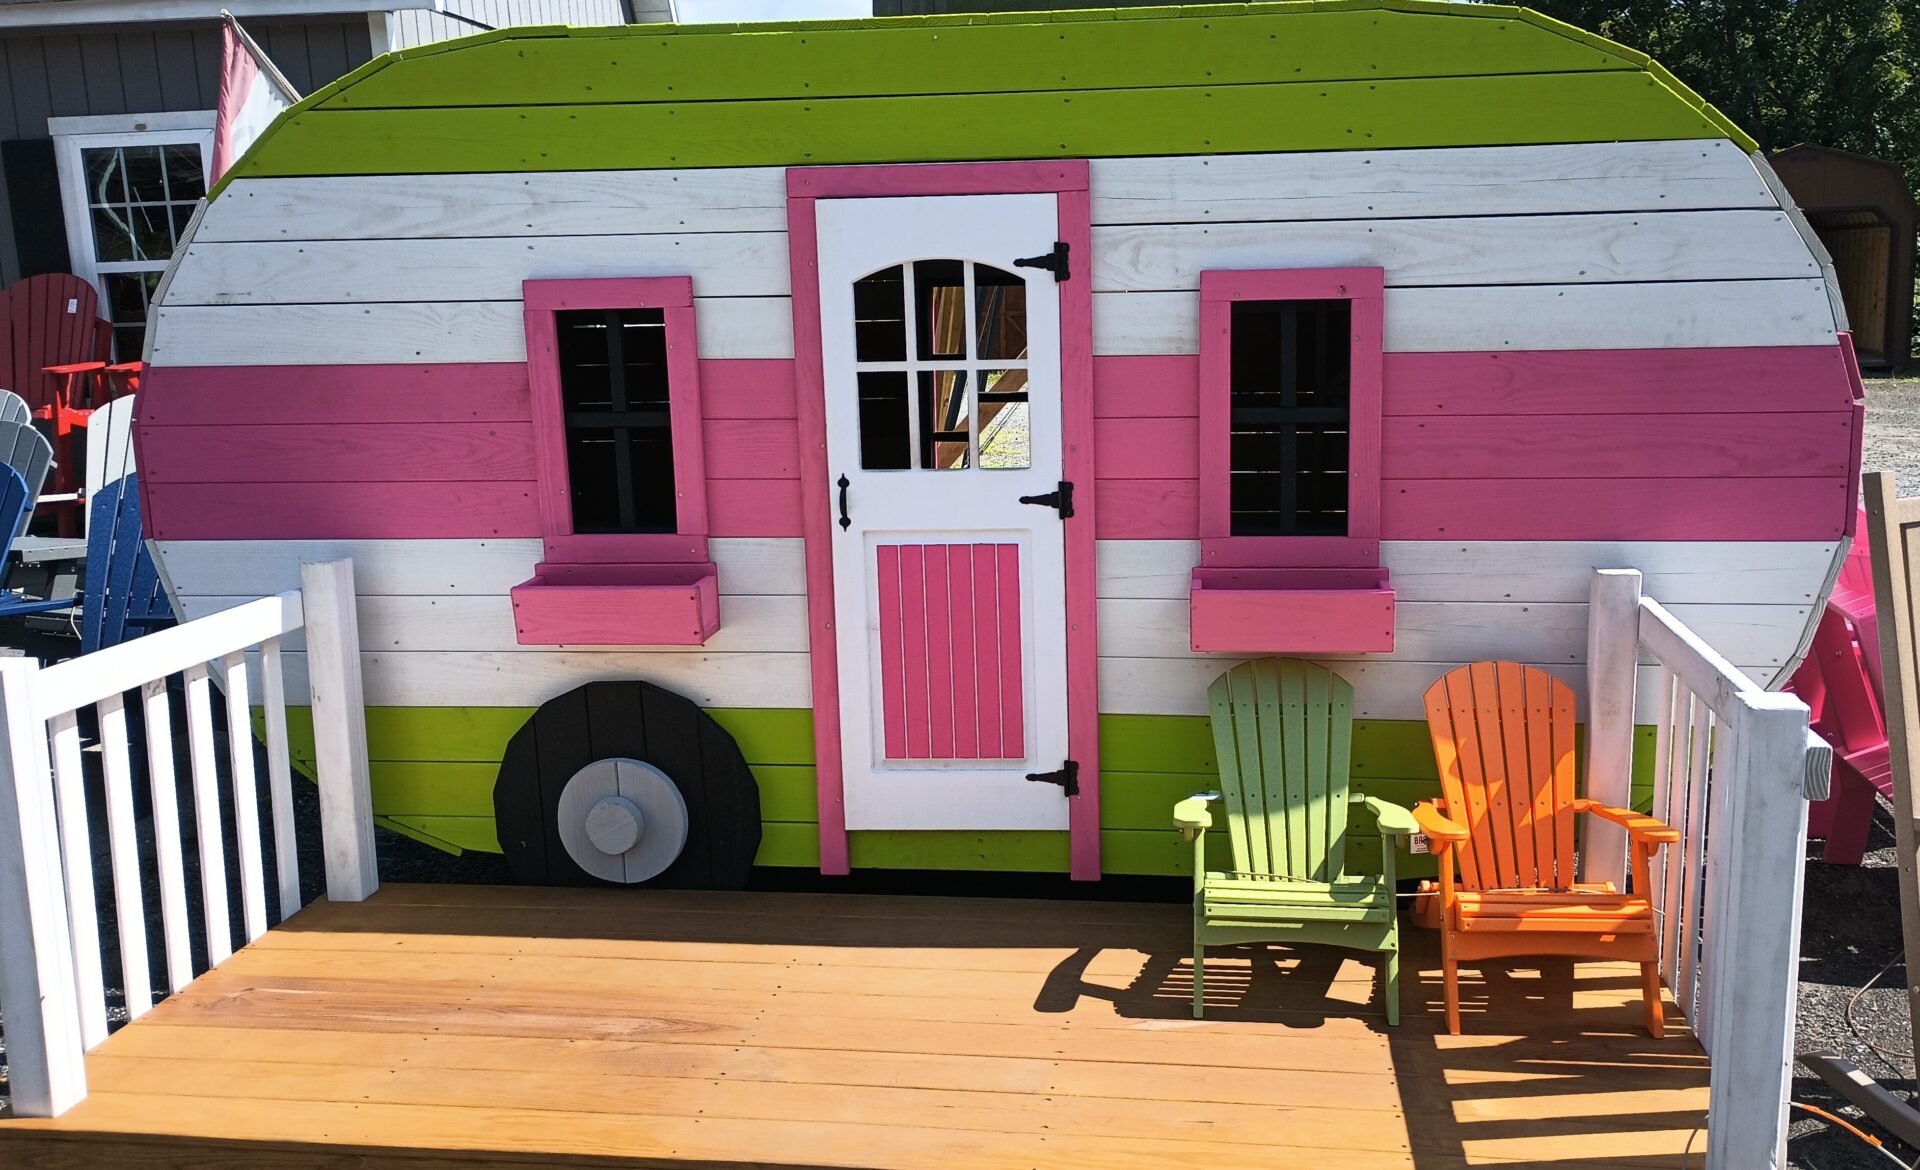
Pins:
x,y
440,1026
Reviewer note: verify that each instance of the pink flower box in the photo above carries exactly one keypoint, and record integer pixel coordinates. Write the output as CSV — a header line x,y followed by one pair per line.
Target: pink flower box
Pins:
x,y
1292,611
617,605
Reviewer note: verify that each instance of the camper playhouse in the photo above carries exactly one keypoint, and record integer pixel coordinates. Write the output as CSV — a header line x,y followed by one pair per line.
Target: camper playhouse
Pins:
x,y
951,443
885,431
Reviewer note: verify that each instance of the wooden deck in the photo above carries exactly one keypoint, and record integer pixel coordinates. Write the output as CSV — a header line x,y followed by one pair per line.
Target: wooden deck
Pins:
x,y
458,1026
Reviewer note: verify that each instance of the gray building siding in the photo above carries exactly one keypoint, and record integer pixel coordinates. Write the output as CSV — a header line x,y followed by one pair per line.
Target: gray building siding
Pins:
x,y
59,73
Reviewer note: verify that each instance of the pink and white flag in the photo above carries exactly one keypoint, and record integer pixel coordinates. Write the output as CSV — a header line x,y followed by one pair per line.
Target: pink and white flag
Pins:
x,y
252,94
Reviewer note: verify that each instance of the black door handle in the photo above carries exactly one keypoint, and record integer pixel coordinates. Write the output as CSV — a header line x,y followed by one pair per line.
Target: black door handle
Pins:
x,y
845,521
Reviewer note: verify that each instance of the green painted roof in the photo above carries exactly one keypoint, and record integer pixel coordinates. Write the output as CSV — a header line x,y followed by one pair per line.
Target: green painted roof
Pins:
x,y
1218,79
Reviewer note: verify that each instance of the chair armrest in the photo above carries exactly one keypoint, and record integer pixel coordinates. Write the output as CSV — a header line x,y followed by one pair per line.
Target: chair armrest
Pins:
x,y
1435,824
1192,814
1394,820
1638,826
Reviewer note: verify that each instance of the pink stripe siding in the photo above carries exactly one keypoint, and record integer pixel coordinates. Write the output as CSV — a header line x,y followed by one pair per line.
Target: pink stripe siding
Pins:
x,y
1619,381
986,648
754,507
751,449
1146,448
221,395
746,388
1611,446
960,619
1146,387
893,670
1013,731
1776,508
940,655
340,511
345,452
1149,509
913,643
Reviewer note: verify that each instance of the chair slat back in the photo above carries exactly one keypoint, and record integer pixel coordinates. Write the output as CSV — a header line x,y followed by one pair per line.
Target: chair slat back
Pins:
x,y
123,592
27,451
15,505
47,320
1503,738
1282,733
13,408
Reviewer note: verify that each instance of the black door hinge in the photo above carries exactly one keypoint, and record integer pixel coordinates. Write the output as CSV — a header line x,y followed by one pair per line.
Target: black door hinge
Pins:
x,y
1068,777
1061,499
1054,262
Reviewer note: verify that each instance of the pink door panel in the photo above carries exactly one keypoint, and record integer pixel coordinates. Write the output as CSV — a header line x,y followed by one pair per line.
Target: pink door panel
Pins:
x,y
950,651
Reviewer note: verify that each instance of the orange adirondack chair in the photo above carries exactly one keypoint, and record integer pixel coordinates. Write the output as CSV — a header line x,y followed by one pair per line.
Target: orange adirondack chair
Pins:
x,y
1503,737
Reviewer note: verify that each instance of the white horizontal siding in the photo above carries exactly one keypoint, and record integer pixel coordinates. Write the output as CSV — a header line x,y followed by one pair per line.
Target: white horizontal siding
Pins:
x,y
488,678
1709,314
1733,572
1610,316
1558,249
1499,180
439,568
441,331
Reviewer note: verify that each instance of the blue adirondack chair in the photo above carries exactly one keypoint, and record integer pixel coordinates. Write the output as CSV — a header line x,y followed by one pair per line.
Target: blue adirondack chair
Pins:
x,y
123,597
16,501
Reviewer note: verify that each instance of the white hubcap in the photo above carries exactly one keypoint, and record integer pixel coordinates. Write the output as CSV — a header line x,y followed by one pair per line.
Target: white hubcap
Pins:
x,y
622,820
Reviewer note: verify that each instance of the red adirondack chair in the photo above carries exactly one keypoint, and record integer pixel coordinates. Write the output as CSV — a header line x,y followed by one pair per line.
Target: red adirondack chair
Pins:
x,y
54,348
1840,682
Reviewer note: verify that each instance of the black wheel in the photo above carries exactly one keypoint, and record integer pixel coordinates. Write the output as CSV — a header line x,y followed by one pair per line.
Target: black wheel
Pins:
x,y
624,783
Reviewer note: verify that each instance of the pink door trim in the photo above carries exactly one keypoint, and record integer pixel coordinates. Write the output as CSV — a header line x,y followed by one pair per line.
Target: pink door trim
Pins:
x,y
1067,179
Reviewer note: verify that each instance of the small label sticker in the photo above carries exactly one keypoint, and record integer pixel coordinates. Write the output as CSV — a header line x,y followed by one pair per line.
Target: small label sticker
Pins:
x,y
73,305
1418,843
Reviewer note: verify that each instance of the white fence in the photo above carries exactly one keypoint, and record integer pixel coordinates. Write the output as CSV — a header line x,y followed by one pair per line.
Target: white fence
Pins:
x,y
52,993
1734,767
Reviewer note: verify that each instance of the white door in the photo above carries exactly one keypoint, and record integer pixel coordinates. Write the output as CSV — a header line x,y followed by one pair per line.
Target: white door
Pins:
x,y
942,369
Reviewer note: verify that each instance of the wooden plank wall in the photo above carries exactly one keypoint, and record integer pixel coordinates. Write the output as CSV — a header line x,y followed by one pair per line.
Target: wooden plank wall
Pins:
x,y
1582,401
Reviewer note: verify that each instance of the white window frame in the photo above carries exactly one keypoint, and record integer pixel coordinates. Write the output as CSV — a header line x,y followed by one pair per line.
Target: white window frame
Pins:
x,y
73,135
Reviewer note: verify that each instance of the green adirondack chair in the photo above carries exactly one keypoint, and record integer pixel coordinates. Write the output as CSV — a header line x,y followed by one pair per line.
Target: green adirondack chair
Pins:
x,y
1283,733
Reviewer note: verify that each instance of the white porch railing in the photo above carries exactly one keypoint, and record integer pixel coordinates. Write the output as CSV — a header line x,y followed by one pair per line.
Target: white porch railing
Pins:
x,y
52,993
1734,768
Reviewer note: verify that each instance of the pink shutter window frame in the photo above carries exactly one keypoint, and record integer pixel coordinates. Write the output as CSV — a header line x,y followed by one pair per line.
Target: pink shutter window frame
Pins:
x,y
673,295
1069,180
1219,289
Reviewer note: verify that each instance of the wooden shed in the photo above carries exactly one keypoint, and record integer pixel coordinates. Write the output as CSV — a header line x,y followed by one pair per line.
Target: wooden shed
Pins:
x,y
884,430
1863,212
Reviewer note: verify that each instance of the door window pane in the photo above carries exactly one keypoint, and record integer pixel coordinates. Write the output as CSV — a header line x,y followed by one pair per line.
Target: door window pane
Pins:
x,y
1000,313
970,320
1002,406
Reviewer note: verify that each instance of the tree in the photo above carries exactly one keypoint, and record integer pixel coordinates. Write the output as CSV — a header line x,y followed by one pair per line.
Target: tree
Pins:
x,y
1841,73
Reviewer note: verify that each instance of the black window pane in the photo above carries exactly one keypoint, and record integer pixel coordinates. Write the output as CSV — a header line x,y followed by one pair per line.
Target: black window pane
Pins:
x,y
106,181
880,317
185,178
1290,409
885,435
614,391
152,232
939,307
999,313
112,234
146,176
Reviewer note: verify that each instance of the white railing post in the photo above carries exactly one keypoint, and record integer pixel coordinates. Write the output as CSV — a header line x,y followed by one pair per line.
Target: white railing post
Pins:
x,y
339,730
1753,937
1613,654
38,996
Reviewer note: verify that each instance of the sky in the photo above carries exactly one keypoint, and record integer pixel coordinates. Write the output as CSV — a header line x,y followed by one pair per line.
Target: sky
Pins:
x,y
692,11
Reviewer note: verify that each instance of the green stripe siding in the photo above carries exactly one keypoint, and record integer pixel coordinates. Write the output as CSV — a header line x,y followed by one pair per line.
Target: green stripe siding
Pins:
x,y
597,66
434,767
1331,76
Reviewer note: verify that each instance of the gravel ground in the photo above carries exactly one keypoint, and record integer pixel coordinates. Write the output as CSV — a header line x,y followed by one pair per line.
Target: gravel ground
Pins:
x,y
1851,925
